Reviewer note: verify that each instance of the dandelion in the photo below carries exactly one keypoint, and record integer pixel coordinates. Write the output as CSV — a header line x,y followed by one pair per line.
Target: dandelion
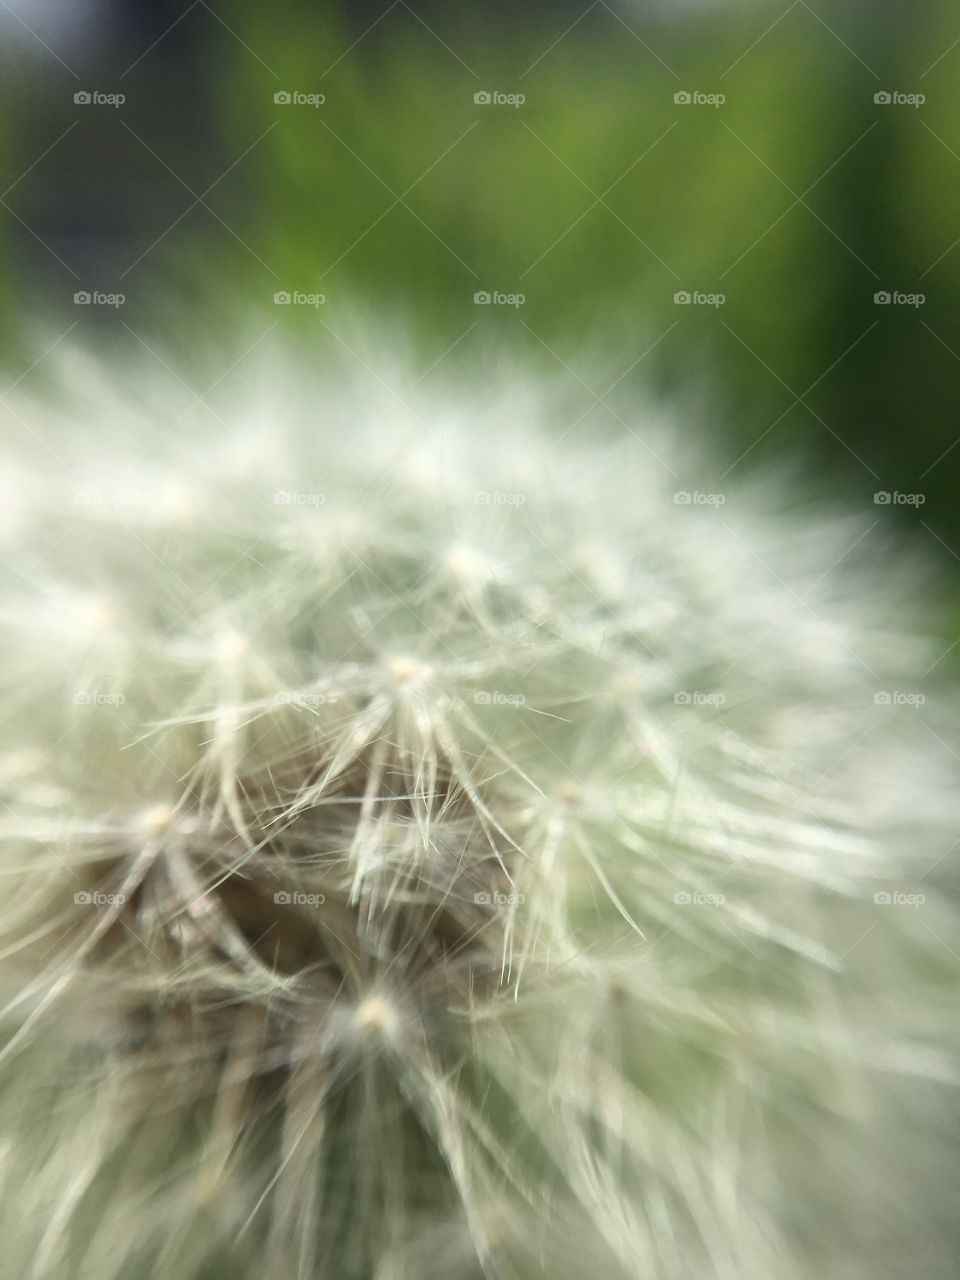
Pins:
x,y
442,885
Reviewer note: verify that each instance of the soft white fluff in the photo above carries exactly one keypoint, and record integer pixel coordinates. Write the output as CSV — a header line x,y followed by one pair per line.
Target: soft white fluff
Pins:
x,y
432,849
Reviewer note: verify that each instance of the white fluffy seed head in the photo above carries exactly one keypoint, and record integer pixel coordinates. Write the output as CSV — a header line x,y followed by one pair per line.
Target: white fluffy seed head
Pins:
x,y
442,853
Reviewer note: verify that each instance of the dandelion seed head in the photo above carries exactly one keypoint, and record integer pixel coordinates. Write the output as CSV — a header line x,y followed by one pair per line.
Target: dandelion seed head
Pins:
x,y
454,857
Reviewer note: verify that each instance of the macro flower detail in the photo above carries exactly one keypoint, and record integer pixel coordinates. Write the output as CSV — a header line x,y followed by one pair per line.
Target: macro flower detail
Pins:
x,y
404,881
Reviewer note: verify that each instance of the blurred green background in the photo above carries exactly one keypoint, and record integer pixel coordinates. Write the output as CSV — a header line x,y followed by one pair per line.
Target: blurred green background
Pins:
x,y
795,194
